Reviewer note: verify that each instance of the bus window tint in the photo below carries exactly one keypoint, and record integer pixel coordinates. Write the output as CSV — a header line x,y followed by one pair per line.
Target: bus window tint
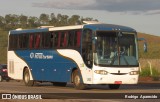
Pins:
x,y
71,38
78,33
62,40
46,40
65,39
31,41
23,41
56,39
52,40
59,39
74,38
37,41
13,42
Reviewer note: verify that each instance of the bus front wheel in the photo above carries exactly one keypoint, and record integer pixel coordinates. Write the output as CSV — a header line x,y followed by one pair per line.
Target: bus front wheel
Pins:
x,y
77,81
114,86
26,78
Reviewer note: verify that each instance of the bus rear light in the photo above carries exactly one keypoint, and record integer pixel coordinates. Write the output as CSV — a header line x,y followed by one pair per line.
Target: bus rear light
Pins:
x,y
134,73
103,72
4,70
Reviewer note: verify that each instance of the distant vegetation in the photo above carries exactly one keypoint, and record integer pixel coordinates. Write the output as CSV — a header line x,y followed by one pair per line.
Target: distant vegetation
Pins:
x,y
12,21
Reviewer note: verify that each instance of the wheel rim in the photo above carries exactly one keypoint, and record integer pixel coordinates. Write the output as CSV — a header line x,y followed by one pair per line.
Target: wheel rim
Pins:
x,y
76,80
26,78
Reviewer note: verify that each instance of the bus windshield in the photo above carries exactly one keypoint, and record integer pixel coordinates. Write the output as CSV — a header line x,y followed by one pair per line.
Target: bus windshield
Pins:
x,y
116,49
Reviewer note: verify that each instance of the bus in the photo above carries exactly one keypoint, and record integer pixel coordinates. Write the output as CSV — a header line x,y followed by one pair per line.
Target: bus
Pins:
x,y
87,54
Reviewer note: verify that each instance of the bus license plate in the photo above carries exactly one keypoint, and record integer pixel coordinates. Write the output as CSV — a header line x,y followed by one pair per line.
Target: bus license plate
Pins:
x,y
118,82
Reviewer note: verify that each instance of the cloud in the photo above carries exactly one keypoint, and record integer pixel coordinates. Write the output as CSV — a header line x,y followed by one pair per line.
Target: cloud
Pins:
x,y
106,5
66,4
153,12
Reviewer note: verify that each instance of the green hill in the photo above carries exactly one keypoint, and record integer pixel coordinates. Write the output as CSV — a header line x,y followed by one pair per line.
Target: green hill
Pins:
x,y
153,43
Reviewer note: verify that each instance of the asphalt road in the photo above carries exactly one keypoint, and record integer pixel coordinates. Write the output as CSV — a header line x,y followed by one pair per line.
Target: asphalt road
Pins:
x,y
48,91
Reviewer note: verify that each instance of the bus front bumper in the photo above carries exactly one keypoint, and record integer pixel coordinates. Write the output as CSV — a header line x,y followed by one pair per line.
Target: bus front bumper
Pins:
x,y
115,79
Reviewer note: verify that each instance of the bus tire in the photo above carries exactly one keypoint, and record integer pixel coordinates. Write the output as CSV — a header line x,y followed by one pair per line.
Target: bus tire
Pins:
x,y
114,86
77,81
62,84
1,78
7,80
26,78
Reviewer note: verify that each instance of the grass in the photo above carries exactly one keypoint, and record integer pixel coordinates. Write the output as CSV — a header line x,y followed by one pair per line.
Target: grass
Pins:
x,y
3,46
146,72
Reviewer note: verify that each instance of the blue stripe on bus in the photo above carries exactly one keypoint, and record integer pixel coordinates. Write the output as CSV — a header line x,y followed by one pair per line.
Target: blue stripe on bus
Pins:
x,y
28,31
108,27
48,65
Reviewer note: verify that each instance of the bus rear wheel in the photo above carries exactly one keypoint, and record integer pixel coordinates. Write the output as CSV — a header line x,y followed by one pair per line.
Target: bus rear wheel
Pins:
x,y
1,79
77,81
114,86
26,78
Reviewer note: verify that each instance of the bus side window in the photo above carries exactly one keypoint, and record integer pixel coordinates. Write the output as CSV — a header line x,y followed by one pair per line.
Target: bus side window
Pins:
x,y
31,41
55,39
59,39
37,42
46,40
71,38
25,41
19,41
65,39
62,39
63,42
78,33
52,40
13,43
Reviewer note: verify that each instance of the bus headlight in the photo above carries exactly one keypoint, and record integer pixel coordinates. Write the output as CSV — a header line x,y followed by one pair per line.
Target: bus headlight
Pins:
x,y
103,72
134,73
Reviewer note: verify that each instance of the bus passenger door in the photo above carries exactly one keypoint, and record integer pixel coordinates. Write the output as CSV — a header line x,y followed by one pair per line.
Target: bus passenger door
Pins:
x,y
87,54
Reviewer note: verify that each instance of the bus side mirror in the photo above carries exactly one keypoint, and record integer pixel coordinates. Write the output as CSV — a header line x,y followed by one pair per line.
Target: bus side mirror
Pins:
x,y
145,47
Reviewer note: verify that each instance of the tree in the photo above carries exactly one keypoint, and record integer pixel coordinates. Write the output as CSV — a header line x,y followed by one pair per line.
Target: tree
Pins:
x,y
44,19
2,22
23,21
74,19
33,22
12,21
59,19
53,20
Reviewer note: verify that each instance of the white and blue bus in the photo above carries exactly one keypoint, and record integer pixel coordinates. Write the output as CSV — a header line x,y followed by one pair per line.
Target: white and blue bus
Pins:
x,y
93,53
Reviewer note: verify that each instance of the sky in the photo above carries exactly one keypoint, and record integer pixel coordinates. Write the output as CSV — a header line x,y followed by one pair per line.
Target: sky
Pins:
x,y
142,15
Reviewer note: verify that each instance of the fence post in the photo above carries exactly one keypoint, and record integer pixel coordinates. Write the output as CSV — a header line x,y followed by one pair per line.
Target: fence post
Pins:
x,y
150,66
140,69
